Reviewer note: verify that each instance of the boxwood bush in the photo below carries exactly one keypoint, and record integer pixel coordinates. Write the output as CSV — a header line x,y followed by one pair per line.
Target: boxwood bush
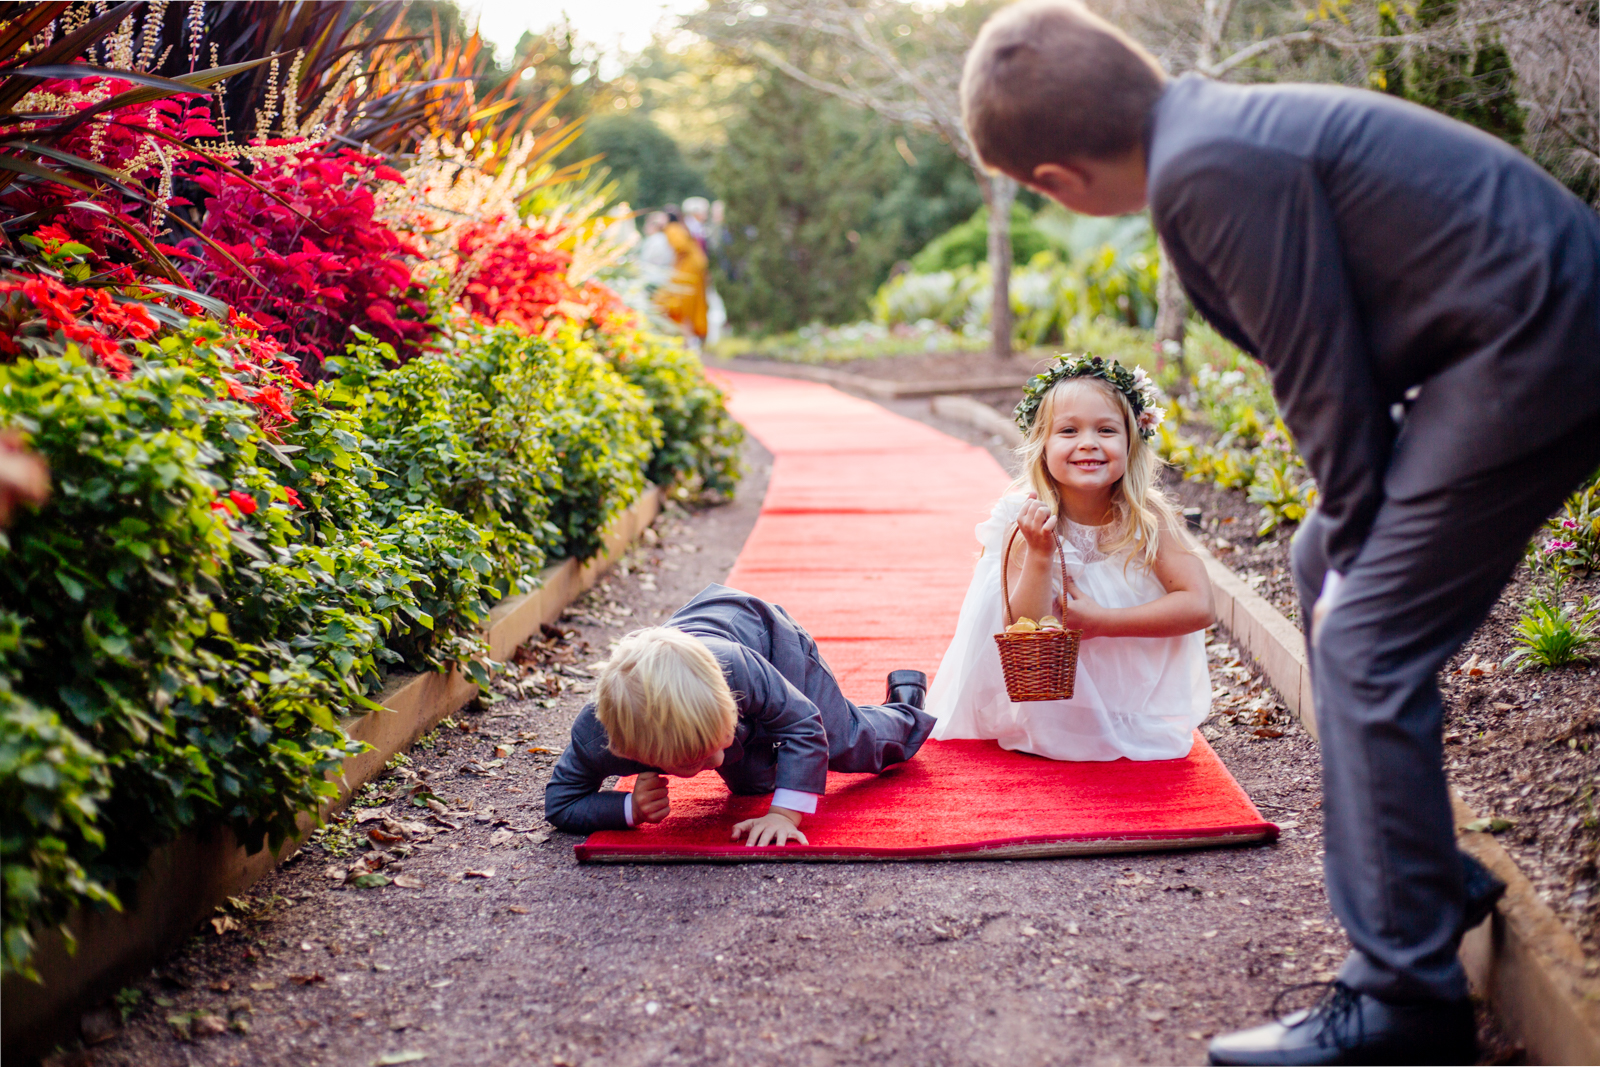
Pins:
x,y
210,589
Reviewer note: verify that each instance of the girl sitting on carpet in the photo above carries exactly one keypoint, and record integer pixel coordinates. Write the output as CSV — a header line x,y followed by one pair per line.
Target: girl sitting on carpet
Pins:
x,y
1134,587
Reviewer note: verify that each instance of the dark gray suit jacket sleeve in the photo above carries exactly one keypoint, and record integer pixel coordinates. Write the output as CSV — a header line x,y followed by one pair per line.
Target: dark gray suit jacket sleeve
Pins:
x,y
573,800
778,712
1281,272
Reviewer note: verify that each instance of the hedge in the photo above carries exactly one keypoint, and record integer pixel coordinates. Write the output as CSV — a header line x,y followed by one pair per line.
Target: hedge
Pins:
x,y
209,589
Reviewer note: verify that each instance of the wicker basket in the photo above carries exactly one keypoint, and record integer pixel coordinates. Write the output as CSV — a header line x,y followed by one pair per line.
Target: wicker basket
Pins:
x,y
1039,664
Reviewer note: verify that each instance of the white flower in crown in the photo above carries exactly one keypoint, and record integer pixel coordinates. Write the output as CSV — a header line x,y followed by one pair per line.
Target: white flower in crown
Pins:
x,y
1149,419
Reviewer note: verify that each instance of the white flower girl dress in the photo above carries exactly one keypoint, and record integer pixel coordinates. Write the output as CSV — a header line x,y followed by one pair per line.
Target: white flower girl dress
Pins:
x,y
1139,697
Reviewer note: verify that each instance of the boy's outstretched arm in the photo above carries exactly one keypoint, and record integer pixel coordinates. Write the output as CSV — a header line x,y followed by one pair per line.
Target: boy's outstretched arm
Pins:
x,y
573,800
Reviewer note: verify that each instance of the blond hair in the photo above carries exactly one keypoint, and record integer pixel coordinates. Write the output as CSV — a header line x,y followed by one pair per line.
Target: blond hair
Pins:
x,y
1139,507
663,700
1047,81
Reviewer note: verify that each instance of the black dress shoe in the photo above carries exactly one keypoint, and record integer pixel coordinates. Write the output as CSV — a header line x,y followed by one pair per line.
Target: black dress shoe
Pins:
x,y
1484,891
908,687
1350,1027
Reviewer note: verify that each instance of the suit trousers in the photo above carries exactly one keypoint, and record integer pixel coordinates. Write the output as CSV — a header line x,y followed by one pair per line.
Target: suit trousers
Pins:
x,y
1425,578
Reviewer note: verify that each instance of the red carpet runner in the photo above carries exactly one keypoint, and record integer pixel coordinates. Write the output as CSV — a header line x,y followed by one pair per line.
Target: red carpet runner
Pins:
x,y
866,538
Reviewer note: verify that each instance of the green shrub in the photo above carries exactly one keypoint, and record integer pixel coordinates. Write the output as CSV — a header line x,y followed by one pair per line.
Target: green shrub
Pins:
x,y
122,579
51,785
1553,633
700,442
604,436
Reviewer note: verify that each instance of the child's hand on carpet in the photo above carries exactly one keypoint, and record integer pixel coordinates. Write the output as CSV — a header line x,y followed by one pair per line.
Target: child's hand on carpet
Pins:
x,y
775,828
650,802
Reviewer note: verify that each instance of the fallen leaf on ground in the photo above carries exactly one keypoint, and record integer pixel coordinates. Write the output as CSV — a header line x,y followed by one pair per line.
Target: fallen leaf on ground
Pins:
x,y
206,1025
436,806
501,751
1155,1015
487,872
370,814
446,823
1268,733
1489,826
334,873
500,837
408,881
224,923
518,909
307,979
262,987
389,1059
370,881
383,837
1028,931
536,750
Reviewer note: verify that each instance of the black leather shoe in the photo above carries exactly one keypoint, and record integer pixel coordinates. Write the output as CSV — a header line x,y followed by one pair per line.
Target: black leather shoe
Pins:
x,y
908,687
1484,891
1350,1027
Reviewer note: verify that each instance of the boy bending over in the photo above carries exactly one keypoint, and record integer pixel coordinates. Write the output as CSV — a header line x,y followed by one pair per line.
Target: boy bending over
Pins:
x,y
730,684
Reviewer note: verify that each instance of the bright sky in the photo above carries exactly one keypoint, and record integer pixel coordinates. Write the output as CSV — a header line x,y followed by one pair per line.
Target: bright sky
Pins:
x,y
614,25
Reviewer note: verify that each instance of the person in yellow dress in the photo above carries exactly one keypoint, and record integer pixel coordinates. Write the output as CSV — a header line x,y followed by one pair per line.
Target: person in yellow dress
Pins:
x,y
683,299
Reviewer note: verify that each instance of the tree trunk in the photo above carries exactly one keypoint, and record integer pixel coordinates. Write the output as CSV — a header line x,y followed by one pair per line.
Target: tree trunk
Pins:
x,y
1172,312
1002,194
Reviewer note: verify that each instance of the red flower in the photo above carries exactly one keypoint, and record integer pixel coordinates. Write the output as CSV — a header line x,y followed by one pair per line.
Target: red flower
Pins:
x,y
243,501
292,496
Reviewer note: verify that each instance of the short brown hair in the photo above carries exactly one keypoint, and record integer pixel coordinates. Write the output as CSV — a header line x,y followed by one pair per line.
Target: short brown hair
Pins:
x,y
1048,81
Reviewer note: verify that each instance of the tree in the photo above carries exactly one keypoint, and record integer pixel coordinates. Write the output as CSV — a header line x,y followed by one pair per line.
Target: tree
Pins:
x,y
646,163
885,56
801,176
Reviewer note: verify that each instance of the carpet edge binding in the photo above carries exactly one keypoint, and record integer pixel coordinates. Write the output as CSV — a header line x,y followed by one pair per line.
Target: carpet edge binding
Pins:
x,y
1020,848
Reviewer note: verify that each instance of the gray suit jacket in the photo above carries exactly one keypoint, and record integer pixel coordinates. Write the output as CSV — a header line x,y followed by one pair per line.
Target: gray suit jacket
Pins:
x,y
782,737
1360,246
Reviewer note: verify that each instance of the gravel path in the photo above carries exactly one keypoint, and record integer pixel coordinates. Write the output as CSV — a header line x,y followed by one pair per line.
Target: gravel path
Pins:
x,y
511,953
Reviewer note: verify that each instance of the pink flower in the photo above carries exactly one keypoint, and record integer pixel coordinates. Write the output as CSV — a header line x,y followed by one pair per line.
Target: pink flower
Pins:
x,y
1553,547
1569,524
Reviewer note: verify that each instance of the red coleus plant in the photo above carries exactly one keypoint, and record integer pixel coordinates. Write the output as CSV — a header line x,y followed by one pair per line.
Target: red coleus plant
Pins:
x,y
519,276
328,265
137,142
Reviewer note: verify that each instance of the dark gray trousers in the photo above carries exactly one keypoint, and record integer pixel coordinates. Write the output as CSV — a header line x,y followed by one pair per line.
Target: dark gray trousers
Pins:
x,y
1428,573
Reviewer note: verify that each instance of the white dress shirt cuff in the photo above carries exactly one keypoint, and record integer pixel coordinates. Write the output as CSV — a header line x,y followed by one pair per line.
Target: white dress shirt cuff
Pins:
x,y
794,800
627,807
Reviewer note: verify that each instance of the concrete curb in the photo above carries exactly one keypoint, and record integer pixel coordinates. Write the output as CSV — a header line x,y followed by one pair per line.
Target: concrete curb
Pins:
x,y
186,880
1524,960
979,416
877,388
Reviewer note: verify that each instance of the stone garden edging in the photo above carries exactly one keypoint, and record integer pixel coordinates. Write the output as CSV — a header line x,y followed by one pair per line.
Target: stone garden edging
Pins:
x,y
186,880
1523,959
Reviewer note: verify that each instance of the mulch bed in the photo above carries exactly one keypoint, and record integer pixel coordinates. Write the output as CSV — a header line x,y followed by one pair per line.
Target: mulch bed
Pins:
x,y
1520,746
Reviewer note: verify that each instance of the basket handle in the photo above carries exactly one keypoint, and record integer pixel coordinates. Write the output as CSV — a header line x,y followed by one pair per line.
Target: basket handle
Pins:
x,y
1005,571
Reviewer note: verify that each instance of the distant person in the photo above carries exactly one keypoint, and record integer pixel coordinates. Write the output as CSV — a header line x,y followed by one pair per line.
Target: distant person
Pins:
x,y
730,684
1427,300
1088,491
704,220
655,255
683,298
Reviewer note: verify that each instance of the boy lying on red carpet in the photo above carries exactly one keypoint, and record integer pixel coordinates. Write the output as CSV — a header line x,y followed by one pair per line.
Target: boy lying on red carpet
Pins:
x,y
730,684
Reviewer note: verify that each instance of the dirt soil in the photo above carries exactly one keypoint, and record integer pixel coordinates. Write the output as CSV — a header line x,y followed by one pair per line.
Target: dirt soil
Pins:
x,y
505,951
1520,746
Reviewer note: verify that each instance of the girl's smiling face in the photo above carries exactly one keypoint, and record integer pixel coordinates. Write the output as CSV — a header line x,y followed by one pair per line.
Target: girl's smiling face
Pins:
x,y
1086,453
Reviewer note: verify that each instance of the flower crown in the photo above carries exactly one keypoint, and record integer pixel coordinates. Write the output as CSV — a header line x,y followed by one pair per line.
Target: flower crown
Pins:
x,y
1133,384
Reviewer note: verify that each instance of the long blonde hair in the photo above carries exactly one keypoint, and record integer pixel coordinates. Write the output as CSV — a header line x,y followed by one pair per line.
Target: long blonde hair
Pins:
x,y
1138,504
